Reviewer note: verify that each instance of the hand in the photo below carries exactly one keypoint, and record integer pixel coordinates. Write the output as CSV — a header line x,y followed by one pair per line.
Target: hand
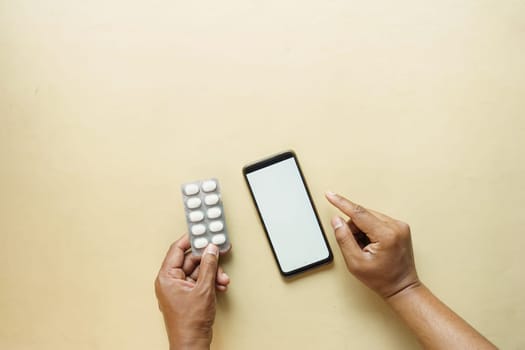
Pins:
x,y
185,288
377,249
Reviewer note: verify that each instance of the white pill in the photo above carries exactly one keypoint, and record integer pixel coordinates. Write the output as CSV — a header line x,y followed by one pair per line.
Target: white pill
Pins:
x,y
191,189
218,239
200,242
198,229
208,186
196,215
216,226
193,203
214,213
211,199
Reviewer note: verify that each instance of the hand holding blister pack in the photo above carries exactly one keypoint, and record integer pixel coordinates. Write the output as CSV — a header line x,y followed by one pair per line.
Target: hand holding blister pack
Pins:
x,y
205,215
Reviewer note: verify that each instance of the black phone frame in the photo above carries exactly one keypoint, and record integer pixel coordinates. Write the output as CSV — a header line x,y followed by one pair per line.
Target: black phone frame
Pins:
x,y
263,163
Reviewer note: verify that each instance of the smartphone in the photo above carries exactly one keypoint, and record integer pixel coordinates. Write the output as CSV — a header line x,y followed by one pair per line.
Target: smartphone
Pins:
x,y
287,213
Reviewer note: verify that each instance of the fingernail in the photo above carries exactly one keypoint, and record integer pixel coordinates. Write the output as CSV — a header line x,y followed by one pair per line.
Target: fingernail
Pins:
x,y
331,194
212,249
337,222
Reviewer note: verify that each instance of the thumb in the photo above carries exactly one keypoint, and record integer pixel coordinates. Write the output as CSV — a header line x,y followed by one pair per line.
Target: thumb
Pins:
x,y
345,238
208,267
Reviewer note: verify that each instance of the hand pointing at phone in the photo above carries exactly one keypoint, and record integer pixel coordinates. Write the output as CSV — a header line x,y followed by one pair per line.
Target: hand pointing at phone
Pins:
x,y
386,263
377,250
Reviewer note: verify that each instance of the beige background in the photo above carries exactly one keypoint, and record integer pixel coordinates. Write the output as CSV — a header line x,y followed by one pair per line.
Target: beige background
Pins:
x,y
413,108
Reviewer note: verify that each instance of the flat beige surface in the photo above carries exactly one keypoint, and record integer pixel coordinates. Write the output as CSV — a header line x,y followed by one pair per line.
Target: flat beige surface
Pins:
x,y
412,108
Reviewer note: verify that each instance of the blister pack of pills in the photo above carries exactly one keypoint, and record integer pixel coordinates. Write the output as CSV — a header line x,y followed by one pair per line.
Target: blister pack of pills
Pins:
x,y
205,215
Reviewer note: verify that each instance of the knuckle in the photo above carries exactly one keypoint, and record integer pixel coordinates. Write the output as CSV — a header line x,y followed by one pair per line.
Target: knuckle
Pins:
x,y
173,245
396,235
358,209
390,232
161,279
354,208
404,227
403,231
391,236
156,283
360,212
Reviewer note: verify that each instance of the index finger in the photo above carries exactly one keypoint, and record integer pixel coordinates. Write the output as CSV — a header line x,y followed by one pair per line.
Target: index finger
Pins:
x,y
175,255
381,216
362,218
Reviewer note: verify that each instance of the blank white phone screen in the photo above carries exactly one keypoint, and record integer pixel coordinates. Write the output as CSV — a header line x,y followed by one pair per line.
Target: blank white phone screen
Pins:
x,y
288,215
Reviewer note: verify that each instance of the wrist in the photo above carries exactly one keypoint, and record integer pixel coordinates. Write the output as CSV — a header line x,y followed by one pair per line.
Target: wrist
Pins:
x,y
190,340
402,284
406,293
190,344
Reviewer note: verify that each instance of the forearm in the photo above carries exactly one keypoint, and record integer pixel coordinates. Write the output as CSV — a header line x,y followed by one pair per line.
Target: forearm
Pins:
x,y
434,324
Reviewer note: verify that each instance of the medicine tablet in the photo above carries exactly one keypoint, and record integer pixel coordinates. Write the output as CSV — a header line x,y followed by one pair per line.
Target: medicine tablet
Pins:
x,y
218,239
213,213
197,215
193,203
198,229
211,199
200,242
216,226
191,189
208,186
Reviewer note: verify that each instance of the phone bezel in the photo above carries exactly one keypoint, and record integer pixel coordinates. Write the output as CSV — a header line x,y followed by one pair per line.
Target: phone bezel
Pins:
x,y
263,163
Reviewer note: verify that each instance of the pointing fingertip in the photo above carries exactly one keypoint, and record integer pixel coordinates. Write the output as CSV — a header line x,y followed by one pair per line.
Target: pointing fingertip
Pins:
x,y
330,194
